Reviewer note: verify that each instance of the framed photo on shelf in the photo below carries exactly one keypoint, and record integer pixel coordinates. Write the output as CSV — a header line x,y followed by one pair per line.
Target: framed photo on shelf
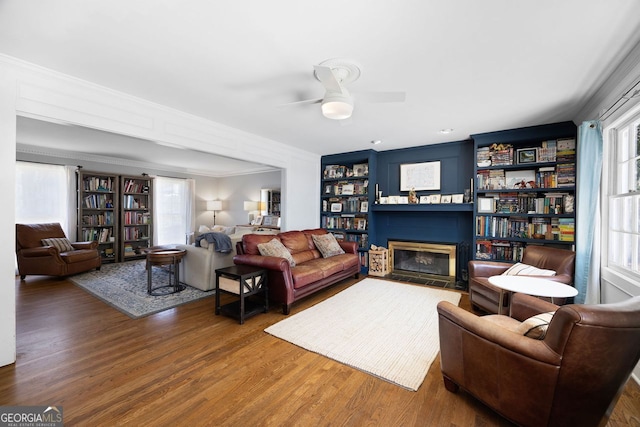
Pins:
x,y
328,188
384,200
420,176
361,224
520,179
424,199
403,200
434,198
457,198
336,207
392,200
527,155
347,189
446,198
486,205
364,207
361,169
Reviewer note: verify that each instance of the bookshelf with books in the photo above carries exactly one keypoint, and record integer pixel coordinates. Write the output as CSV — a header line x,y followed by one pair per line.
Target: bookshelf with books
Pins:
x,y
98,211
525,190
346,199
136,213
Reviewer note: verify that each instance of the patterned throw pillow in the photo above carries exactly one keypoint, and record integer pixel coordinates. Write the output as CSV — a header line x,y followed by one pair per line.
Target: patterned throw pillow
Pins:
x,y
327,244
61,243
275,248
520,269
536,326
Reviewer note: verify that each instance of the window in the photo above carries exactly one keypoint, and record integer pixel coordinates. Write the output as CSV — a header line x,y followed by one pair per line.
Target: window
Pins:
x,y
42,195
171,209
623,198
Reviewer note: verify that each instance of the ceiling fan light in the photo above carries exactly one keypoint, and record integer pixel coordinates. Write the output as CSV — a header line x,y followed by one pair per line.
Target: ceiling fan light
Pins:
x,y
337,106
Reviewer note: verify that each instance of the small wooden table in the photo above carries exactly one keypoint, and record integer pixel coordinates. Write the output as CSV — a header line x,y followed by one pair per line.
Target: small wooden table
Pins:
x,y
531,285
160,257
245,281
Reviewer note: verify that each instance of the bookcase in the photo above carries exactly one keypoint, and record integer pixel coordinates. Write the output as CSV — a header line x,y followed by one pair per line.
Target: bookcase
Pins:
x,y
98,212
136,213
525,190
346,198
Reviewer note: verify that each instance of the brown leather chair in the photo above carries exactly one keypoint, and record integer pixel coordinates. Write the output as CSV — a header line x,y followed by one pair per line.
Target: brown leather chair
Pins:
x,y
486,297
572,377
36,258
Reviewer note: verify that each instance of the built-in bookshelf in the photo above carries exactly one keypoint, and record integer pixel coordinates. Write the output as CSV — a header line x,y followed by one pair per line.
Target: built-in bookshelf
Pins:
x,y
136,213
345,201
525,193
98,212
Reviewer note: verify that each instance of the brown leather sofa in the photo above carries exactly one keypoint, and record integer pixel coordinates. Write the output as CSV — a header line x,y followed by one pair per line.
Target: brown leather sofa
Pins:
x,y
486,297
572,377
311,273
35,258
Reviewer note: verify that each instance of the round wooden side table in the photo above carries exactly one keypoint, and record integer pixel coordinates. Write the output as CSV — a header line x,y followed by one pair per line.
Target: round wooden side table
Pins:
x,y
160,257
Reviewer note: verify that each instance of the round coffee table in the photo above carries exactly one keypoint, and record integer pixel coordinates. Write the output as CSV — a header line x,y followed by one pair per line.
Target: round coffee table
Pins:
x,y
160,257
535,286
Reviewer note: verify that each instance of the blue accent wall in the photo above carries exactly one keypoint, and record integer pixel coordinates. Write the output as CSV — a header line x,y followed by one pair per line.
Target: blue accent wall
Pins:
x,y
428,223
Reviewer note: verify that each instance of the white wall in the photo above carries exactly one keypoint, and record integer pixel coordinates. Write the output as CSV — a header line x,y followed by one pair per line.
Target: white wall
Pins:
x,y
235,190
32,91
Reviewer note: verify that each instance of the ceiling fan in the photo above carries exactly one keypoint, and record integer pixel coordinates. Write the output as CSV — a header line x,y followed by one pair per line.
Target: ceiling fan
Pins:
x,y
337,103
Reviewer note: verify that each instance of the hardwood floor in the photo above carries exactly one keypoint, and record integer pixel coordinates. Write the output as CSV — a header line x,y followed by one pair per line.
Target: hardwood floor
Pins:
x,y
186,366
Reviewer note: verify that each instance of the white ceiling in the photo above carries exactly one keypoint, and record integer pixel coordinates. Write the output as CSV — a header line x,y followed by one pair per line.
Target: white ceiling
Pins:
x,y
473,66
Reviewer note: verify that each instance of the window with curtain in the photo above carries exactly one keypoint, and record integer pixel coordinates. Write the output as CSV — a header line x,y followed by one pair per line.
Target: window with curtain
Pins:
x,y
623,229
42,194
171,197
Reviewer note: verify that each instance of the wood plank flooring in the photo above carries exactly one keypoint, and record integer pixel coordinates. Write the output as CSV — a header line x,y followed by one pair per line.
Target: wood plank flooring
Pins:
x,y
188,367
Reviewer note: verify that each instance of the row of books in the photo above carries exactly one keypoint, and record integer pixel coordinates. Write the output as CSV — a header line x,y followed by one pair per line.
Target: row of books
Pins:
x,y
361,239
344,222
561,229
135,233
105,218
497,250
132,202
561,175
101,235
137,218
98,201
96,183
532,203
135,186
562,150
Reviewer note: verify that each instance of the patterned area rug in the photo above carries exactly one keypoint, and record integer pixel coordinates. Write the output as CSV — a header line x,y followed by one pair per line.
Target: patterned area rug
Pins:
x,y
387,329
124,286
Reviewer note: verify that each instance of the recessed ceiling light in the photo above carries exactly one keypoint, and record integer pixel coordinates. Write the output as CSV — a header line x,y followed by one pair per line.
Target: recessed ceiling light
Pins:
x,y
376,142
445,131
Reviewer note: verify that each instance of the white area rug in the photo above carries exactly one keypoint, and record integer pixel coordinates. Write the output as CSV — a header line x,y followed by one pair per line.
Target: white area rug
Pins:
x,y
384,328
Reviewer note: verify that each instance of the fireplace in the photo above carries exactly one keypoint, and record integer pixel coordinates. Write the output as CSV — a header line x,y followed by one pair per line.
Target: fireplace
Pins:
x,y
426,263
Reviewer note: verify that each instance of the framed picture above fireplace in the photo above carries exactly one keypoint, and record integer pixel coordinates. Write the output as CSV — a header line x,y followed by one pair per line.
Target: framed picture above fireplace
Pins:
x,y
420,176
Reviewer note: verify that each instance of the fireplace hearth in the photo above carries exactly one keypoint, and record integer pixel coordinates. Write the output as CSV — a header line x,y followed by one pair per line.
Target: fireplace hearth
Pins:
x,y
425,263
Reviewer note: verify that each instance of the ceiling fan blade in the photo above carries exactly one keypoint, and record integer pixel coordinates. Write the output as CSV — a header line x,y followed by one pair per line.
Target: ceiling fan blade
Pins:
x,y
305,102
381,96
328,78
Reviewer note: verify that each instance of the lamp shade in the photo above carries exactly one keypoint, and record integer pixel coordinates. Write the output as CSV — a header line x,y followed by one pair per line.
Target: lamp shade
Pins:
x,y
214,205
250,206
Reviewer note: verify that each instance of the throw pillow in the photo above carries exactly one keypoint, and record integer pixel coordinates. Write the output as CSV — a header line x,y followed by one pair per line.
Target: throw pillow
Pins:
x,y
536,326
327,244
274,247
520,269
61,243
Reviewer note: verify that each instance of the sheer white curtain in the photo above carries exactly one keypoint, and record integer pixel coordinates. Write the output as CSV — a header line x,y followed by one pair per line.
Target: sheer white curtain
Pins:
x,y
46,193
173,209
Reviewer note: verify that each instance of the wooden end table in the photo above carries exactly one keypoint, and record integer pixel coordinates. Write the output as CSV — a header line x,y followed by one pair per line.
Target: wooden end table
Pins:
x,y
160,257
531,285
249,284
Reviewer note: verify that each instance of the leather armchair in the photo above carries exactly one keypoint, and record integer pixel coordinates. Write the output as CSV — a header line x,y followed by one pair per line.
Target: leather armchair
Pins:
x,y
35,258
486,297
572,377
